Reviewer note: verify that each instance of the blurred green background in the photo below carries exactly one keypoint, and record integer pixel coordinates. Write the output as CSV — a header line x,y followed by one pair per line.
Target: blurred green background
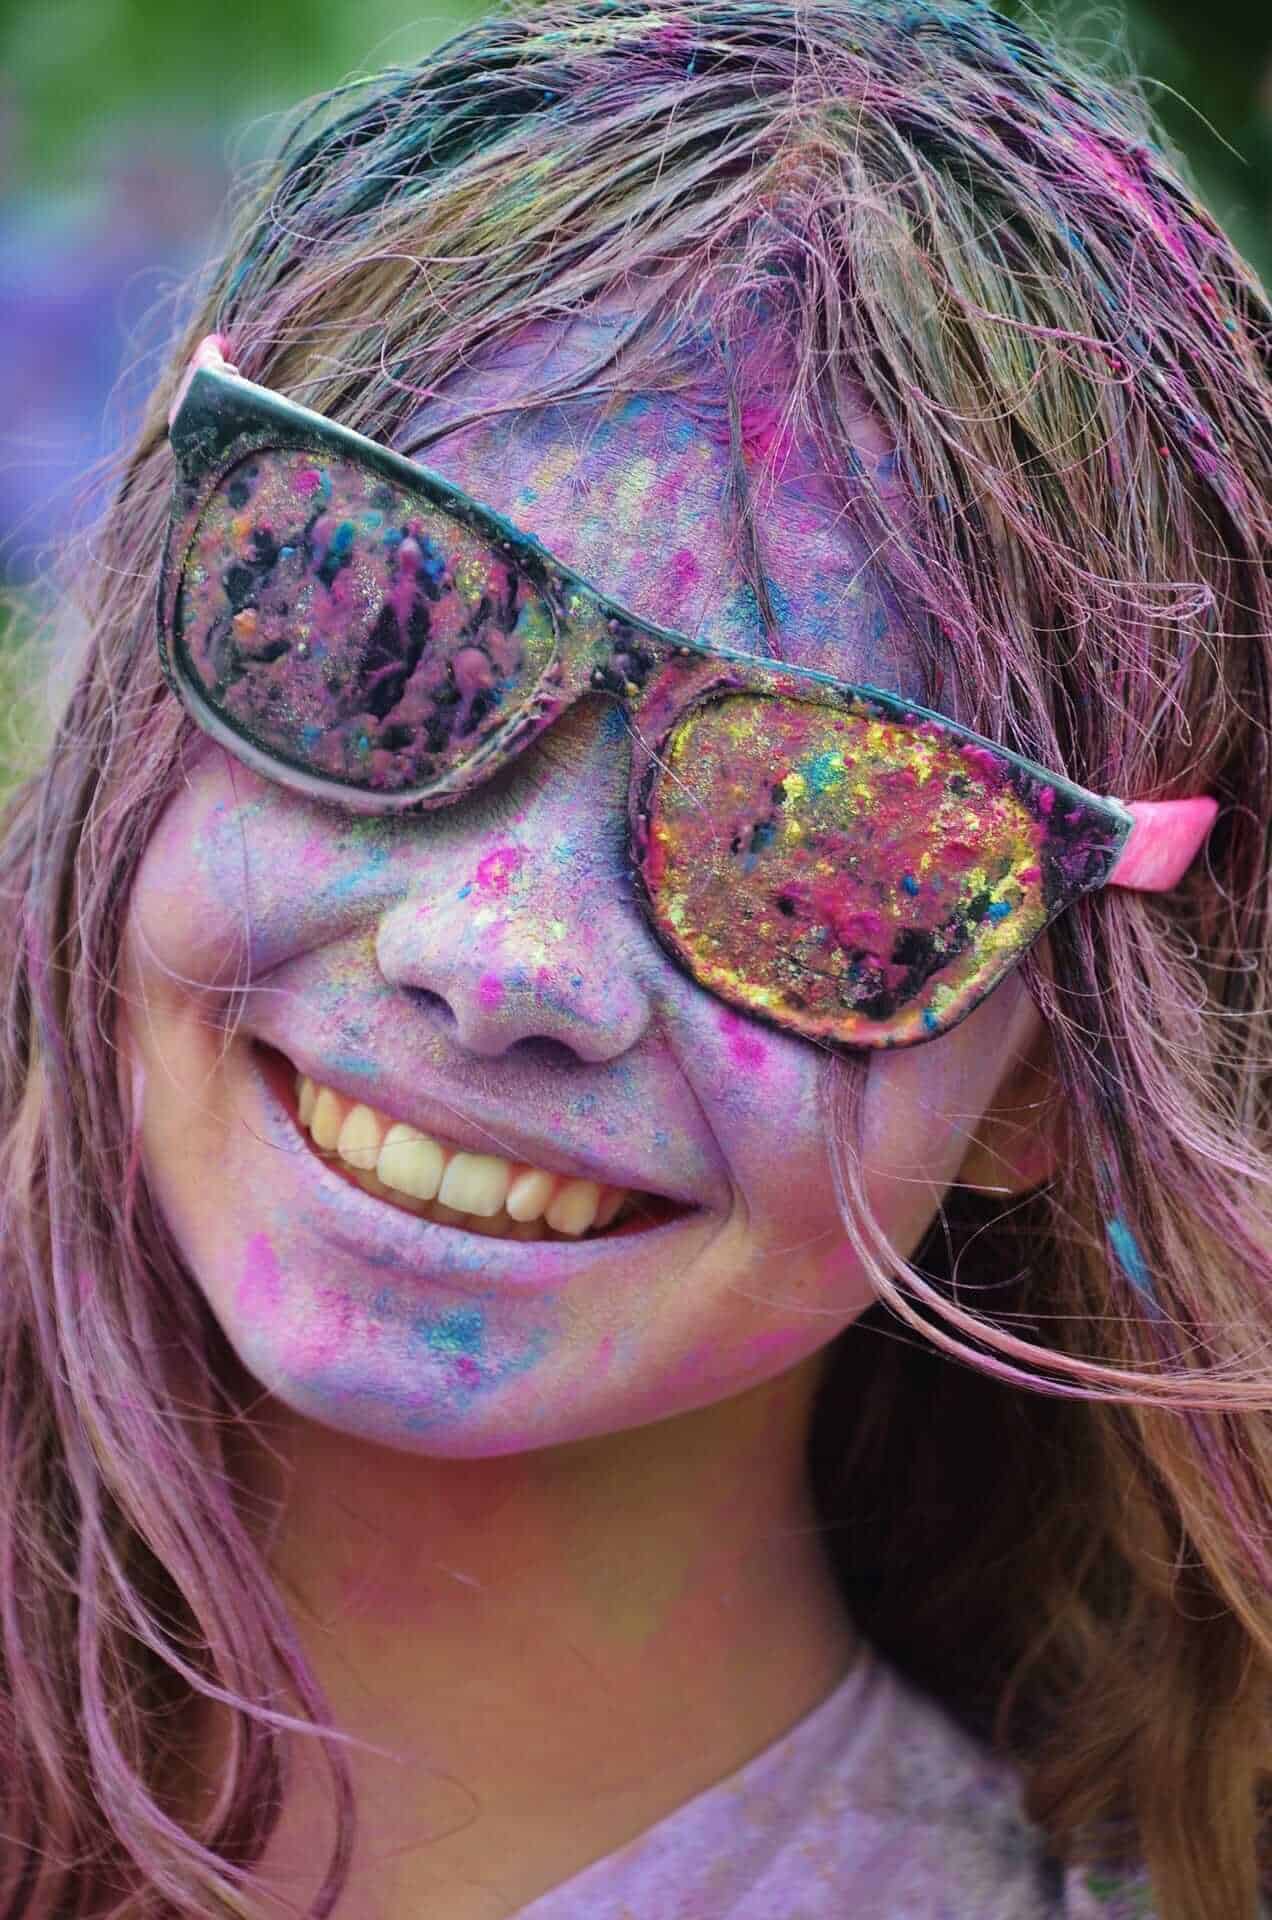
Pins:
x,y
120,121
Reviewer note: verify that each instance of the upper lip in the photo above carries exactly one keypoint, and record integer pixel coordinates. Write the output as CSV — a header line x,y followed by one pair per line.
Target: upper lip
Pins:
x,y
476,1132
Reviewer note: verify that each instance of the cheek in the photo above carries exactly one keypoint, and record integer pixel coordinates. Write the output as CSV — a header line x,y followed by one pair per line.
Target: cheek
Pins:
x,y
765,1095
170,1058
240,876
923,1106
187,917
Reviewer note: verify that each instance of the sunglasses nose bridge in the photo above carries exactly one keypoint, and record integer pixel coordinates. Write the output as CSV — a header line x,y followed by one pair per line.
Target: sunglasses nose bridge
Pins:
x,y
679,679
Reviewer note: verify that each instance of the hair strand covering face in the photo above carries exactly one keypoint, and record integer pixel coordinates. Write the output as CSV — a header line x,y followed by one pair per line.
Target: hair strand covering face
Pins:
x,y
1071,363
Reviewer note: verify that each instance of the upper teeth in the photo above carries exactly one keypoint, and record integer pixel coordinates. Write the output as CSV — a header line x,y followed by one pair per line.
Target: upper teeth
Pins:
x,y
483,1191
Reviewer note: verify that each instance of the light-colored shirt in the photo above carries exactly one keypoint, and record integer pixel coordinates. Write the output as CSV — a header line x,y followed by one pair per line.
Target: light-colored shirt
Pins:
x,y
876,1806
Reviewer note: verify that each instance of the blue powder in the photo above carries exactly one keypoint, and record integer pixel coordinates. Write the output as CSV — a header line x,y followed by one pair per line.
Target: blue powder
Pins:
x,y
462,1330
780,601
823,771
743,609
364,875
356,1064
1126,1252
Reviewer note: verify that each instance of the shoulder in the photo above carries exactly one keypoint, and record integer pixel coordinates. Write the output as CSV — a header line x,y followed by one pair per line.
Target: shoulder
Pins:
x,y
916,1811
961,1806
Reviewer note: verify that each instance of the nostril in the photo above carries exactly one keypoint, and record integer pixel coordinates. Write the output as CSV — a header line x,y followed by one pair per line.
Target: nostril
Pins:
x,y
541,1050
428,1001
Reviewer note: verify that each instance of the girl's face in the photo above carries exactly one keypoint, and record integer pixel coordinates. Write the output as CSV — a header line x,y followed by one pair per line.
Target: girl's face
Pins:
x,y
484,974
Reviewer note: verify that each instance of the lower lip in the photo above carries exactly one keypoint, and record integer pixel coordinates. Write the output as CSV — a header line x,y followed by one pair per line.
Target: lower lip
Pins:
x,y
385,1234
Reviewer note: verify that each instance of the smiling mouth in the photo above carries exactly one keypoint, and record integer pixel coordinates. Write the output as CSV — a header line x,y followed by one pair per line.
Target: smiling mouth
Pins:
x,y
435,1180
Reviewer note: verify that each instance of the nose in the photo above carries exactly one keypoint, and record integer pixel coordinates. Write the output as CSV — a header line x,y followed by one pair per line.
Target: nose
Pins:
x,y
526,932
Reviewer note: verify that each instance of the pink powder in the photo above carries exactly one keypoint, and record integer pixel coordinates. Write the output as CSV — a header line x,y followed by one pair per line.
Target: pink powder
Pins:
x,y
765,435
862,928
496,872
490,992
685,570
1117,170
316,854
673,37
985,763
260,1291
745,1049
328,1336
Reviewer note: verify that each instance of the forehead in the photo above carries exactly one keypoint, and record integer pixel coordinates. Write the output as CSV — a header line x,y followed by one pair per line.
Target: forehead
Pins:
x,y
634,491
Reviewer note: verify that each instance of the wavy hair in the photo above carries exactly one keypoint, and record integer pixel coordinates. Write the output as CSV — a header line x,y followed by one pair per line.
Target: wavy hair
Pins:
x,y
1065,1536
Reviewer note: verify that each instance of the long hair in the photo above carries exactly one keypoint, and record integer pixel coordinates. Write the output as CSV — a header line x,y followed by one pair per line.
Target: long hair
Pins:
x,y
1043,1458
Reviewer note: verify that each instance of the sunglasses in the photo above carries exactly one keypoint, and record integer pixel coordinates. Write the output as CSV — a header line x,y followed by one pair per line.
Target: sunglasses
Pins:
x,y
824,856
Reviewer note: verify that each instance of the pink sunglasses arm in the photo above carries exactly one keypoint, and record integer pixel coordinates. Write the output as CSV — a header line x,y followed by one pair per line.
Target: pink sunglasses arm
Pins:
x,y
1163,843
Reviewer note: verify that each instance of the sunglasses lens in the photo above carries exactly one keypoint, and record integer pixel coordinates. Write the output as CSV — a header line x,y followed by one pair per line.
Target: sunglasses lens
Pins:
x,y
863,881
351,629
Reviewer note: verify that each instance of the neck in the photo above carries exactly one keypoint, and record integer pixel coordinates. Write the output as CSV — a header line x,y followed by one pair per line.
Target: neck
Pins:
x,y
561,1646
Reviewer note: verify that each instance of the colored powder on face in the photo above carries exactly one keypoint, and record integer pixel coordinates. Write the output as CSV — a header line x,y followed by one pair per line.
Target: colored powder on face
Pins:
x,y
328,1331
766,437
459,1337
746,1049
261,1287
362,1065
685,571
490,992
462,1330
317,854
360,878
496,872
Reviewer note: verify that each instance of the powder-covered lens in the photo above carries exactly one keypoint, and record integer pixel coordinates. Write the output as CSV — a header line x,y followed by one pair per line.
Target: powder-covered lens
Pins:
x,y
351,628
863,880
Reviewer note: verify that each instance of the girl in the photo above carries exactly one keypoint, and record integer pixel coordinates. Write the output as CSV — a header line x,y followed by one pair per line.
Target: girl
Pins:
x,y
638,1236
